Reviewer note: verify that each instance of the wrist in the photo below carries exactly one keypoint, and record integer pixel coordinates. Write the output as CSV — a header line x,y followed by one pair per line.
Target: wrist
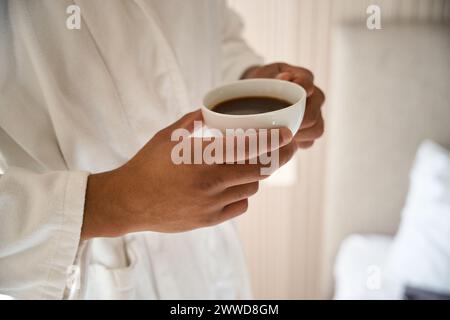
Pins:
x,y
103,216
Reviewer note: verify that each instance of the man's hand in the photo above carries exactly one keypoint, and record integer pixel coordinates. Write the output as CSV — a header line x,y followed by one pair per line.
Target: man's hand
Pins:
x,y
152,193
313,125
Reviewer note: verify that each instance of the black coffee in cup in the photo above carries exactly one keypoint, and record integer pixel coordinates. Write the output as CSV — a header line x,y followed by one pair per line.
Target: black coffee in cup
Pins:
x,y
250,105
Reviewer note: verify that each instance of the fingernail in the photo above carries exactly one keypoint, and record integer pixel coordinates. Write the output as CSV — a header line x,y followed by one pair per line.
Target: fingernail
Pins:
x,y
283,76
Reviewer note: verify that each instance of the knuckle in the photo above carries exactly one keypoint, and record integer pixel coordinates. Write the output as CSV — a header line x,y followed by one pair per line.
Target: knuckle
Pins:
x,y
210,183
320,94
244,207
305,73
320,129
251,189
280,64
321,132
306,145
254,188
241,194
308,73
309,121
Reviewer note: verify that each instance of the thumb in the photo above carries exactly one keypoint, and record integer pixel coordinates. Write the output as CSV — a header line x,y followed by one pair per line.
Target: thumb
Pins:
x,y
187,121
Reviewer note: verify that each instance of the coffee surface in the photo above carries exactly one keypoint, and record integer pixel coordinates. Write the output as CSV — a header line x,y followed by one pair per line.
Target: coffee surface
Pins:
x,y
250,105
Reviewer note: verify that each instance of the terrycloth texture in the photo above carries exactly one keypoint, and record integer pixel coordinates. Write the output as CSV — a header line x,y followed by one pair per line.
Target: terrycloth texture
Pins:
x,y
86,101
40,223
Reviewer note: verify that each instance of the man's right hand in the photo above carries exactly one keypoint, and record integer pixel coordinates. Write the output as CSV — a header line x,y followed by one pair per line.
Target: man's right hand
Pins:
x,y
152,193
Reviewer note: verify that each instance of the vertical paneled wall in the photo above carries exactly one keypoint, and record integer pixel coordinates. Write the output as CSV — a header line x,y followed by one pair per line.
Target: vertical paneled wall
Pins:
x,y
282,231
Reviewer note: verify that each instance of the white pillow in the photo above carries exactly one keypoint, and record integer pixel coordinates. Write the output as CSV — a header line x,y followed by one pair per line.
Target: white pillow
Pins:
x,y
359,270
420,254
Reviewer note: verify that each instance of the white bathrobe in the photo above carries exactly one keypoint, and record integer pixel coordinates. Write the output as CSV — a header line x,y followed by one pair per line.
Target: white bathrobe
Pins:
x,y
74,102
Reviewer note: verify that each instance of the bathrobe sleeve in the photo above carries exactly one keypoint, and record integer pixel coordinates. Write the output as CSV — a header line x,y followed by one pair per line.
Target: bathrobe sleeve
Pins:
x,y
40,223
237,56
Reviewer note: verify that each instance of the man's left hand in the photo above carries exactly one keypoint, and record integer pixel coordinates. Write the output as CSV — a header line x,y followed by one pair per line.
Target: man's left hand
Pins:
x,y
312,125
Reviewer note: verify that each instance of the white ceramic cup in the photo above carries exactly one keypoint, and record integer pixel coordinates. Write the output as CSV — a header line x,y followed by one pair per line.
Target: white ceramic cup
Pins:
x,y
290,117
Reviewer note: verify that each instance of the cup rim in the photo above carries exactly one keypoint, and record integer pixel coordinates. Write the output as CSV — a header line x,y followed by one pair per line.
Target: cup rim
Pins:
x,y
287,83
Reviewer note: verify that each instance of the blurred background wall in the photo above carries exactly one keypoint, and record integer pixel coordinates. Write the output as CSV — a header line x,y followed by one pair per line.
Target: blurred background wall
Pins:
x,y
284,232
